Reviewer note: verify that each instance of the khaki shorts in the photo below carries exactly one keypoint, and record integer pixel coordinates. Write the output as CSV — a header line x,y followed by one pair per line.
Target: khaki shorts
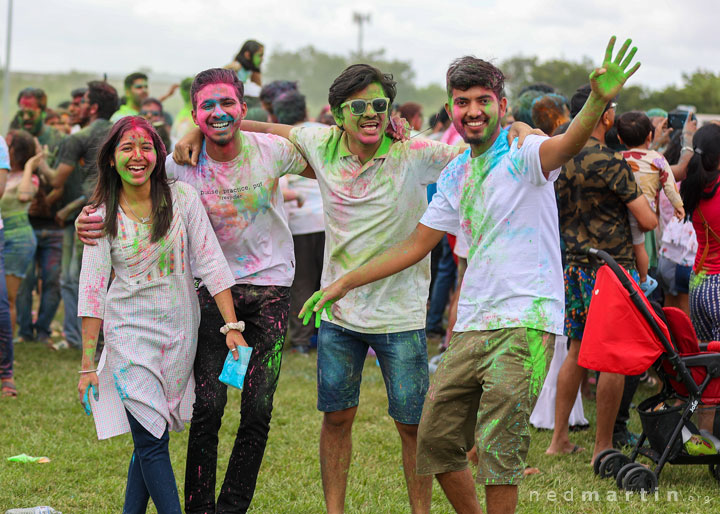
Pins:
x,y
483,392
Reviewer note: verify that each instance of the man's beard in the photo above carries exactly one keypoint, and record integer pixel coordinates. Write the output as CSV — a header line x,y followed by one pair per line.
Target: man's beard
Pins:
x,y
482,139
223,142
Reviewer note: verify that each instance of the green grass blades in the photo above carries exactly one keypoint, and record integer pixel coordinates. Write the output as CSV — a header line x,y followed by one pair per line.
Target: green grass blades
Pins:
x,y
88,476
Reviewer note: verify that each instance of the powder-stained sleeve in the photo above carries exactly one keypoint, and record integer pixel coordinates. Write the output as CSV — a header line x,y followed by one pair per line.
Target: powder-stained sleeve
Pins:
x,y
210,262
94,279
527,163
311,142
434,156
293,161
4,155
443,211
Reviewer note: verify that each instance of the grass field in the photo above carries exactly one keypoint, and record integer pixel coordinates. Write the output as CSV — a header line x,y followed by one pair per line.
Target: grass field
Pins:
x,y
88,476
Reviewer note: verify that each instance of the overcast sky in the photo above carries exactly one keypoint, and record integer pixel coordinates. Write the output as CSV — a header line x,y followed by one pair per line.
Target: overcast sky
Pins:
x,y
184,36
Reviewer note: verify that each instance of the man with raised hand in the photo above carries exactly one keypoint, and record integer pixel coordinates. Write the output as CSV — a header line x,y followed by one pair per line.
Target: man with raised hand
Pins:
x,y
502,200
237,176
374,192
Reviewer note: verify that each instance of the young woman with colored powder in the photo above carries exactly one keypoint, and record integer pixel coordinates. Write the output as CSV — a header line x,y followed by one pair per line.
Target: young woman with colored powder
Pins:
x,y
150,313
702,201
21,187
247,65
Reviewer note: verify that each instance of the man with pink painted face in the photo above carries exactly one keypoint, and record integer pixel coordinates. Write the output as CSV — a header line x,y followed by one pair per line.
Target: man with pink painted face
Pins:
x,y
501,199
237,177
374,192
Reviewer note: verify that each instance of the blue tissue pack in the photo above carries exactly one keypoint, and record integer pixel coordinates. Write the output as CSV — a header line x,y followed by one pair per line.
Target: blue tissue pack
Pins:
x,y
233,372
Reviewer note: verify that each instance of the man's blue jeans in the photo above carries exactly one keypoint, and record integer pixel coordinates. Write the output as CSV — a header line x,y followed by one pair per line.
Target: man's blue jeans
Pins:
x,y
70,284
48,256
6,344
444,282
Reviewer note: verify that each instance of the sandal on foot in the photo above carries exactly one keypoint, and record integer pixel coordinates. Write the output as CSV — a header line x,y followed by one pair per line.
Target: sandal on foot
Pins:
x,y
8,389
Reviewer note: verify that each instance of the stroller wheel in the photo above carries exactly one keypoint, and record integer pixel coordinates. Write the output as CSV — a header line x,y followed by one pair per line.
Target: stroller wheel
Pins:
x,y
611,464
640,479
623,471
600,457
715,471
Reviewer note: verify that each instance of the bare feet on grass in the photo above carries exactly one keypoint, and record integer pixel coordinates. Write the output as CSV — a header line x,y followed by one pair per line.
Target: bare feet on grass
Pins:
x,y
566,448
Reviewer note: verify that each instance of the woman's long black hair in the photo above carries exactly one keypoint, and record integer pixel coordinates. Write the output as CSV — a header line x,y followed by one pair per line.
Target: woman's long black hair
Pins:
x,y
702,169
251,46
109,183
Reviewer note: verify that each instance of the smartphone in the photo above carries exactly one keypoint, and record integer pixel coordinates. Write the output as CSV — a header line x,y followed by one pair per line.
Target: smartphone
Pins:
x,y
676,119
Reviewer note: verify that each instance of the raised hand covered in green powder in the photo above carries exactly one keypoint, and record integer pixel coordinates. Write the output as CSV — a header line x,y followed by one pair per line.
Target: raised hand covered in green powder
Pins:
x,y
311,306
608,80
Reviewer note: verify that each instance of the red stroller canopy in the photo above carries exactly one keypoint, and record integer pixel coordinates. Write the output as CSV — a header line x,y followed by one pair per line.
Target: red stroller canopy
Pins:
x,y
617,339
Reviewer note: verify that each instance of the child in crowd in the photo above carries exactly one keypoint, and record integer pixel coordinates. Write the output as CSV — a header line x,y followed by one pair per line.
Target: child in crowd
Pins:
x,y
652,171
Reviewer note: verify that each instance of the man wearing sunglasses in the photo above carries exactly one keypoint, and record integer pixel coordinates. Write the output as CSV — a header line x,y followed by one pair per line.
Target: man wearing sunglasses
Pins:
x,y
374,193
501,200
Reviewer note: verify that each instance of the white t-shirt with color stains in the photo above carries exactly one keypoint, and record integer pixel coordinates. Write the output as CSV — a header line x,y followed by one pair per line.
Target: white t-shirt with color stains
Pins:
x,y
505,207
369,208
245,206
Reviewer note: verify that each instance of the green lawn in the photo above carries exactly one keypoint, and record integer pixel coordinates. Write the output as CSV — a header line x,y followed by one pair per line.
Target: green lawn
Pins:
x,y
88,476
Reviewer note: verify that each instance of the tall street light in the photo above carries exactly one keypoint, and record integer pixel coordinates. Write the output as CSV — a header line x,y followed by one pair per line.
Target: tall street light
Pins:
x,y
360,19
6,82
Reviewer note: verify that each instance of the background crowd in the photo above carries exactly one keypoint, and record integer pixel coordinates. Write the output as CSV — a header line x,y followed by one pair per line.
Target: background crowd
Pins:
x,y
48,172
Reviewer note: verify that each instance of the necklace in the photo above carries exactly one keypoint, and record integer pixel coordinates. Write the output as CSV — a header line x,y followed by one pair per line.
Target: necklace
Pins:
x,y
143,220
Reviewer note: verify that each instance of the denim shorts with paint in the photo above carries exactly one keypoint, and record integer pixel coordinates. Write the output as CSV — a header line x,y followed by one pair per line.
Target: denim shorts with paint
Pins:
x,y
20,244
403,362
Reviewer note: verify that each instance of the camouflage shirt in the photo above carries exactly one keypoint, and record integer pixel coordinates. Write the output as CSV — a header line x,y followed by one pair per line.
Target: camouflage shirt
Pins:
x,y
593,190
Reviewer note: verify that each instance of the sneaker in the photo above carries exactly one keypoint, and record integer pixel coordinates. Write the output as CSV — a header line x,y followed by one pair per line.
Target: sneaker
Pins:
x,y
648,286
60,345
433,363
625,439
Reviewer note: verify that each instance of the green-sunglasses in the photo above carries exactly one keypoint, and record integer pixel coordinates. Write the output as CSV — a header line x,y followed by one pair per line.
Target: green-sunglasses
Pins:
x,y
359,106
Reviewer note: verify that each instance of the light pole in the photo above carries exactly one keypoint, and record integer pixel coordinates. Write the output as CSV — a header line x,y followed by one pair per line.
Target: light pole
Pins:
x,y
6,82
360,19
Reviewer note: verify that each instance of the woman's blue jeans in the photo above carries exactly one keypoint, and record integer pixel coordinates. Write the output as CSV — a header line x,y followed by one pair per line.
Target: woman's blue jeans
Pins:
x,y
150,474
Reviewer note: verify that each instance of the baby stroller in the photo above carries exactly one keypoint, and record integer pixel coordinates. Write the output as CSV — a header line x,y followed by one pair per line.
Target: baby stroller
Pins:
x,y
626,334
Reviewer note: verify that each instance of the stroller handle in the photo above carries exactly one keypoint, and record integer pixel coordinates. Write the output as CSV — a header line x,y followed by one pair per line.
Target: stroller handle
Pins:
x,y
615,267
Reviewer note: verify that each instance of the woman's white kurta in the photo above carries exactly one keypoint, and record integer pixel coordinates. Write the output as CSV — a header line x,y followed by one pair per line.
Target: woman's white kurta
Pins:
x,y
151,315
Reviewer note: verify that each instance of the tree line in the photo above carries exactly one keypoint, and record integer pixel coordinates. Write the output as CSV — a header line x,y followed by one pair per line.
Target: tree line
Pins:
x,y
314,70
